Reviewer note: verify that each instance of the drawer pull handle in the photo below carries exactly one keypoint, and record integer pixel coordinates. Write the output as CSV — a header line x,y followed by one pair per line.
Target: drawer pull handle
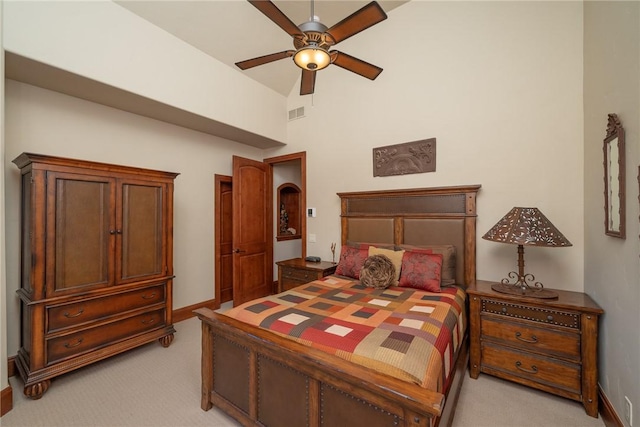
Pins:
x,y
77,343
550,318
504,309
148,321
71,316
533,370
145,296
533,339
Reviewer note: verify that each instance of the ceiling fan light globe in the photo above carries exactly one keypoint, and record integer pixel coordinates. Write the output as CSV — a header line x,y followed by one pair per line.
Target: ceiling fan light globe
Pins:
x,y
312,58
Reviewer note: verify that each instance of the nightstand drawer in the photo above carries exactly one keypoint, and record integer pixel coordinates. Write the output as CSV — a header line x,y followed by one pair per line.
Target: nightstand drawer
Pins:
x,y
298,275
536,314
545,371
530,338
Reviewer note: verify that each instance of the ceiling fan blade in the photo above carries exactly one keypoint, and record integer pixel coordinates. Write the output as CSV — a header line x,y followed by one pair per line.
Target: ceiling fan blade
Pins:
x,y
364,18
261,60
355,65
272,12
308,82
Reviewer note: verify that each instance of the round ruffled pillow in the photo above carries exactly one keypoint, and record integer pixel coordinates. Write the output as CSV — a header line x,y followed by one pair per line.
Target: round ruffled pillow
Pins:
x,y
378,272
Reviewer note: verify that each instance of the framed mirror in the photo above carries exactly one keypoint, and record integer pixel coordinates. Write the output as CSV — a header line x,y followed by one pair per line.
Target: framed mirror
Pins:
x,y
614,191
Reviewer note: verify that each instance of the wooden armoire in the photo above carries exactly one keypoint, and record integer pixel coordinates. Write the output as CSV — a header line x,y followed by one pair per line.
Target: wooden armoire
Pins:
x,y
96,264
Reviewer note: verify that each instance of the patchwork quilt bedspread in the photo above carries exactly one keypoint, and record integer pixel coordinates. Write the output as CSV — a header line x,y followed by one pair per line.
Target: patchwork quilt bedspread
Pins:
x,y
406,333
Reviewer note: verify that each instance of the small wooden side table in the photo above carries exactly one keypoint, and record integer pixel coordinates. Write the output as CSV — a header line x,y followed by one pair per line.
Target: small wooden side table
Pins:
x,y
296,272
547,344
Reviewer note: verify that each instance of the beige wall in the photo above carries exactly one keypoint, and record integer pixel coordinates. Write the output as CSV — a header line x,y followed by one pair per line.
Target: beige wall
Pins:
x,y
612,267
498,84
107,43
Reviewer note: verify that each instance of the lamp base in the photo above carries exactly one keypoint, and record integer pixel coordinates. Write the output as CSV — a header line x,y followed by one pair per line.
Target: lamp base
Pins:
x,y
524,291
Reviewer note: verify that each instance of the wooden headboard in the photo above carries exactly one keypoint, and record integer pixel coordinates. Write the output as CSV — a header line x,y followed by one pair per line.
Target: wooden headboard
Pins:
x,y
420,216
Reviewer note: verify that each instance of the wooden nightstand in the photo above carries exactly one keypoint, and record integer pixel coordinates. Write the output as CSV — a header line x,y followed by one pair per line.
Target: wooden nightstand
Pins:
x,y
550,345
296,272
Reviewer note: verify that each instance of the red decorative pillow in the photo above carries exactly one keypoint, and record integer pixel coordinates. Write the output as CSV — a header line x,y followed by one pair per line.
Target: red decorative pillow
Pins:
x,y
351,261
448,253
421,270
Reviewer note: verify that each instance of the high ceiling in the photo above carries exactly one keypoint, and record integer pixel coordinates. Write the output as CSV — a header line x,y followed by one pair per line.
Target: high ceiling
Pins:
x,y
234,30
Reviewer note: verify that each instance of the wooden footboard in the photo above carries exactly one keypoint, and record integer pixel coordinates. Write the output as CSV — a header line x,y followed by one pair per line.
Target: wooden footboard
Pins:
x,y
260,378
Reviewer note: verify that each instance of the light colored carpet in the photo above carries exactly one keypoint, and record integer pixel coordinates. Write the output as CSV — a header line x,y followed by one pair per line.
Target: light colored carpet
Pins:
x,y
156,386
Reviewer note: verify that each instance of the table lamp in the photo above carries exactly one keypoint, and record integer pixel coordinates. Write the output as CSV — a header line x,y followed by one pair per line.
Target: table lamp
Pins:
x,y
525,226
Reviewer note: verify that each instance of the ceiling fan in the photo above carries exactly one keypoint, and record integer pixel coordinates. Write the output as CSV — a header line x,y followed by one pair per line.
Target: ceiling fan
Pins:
x,y
312,41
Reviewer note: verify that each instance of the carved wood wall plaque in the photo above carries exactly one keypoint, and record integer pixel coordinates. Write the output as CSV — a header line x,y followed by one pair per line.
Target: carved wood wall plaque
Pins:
x,y
404,159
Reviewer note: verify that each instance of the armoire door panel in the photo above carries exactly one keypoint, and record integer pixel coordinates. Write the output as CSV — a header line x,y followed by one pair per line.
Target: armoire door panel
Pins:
x,y
81,221
27,233
142,228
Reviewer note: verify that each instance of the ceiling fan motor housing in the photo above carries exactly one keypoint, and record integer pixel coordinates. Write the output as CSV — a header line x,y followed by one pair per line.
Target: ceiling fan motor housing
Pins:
x,y
313,33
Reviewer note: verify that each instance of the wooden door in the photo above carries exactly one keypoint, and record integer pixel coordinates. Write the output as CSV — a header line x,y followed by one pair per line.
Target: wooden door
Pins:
x,y
252,230
223,239
81,221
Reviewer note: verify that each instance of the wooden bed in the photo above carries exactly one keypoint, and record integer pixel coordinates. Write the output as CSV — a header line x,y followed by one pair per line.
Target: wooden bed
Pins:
x,y
257,376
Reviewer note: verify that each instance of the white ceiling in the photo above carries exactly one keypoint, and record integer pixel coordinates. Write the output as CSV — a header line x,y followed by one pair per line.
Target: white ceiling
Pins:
x,y
234,30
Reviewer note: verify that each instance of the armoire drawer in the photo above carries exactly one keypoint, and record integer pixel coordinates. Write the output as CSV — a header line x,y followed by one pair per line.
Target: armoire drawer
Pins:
x,y
80,312
94,338
540,369
530,338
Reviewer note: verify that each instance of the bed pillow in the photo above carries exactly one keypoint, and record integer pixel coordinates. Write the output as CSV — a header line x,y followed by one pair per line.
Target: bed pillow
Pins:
x,y
448,253
394,256
421,271
378,272
351,261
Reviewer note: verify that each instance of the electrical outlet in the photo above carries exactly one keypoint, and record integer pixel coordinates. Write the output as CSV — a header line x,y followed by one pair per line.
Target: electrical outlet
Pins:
x,y
312,238
628,411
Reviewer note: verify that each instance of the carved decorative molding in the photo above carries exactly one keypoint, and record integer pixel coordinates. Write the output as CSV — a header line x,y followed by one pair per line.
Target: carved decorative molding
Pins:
x,y
404,159
613,125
